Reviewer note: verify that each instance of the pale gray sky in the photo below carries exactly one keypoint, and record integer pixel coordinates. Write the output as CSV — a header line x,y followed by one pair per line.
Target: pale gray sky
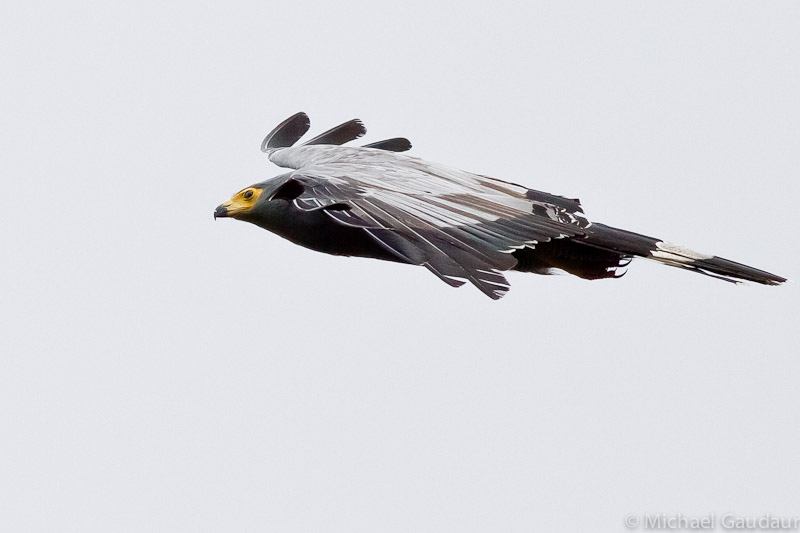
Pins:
x,y
165,372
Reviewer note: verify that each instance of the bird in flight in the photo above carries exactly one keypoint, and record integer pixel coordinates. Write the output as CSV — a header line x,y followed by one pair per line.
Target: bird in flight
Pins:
x,y
374,201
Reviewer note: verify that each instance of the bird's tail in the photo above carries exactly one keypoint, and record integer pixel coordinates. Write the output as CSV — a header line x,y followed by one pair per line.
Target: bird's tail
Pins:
x,y
629,244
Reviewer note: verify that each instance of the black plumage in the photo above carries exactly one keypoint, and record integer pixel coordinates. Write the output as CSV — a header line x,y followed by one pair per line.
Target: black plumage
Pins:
x,y
343,133
287,133
396,144
372,201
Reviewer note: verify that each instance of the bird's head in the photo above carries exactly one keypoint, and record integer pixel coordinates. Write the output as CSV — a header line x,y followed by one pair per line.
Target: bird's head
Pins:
x,y
241,204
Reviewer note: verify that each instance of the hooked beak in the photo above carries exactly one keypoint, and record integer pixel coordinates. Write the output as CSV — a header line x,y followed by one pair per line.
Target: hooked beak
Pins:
x,y
221,211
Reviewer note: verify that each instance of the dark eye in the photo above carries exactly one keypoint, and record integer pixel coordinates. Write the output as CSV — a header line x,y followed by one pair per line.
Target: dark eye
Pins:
x,y
247,195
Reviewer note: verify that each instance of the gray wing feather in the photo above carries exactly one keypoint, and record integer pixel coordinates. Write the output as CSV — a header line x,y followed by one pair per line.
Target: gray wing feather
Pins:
x,y
451,224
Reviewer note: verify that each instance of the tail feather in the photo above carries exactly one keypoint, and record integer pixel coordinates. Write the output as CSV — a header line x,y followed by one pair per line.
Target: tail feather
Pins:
x,y
629,244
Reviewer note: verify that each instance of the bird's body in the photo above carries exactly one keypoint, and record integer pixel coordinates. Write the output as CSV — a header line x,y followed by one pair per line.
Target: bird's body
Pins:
x,y
375,202
312,229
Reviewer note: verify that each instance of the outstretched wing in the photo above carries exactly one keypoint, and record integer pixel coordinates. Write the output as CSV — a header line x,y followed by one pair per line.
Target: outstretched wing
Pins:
x,y
460,226
291,130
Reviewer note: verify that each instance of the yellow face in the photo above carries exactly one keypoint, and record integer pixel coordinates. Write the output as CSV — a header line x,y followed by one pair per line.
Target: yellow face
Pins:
x,y
241,202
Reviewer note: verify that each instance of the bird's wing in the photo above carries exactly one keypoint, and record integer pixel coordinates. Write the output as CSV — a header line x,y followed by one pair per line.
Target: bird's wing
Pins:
x,y
460,226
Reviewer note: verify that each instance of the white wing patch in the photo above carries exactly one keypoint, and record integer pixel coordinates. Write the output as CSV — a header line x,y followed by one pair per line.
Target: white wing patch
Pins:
x,y
674,252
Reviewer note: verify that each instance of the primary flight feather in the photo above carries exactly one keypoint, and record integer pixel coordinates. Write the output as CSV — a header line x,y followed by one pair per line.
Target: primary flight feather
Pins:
x,y
374,201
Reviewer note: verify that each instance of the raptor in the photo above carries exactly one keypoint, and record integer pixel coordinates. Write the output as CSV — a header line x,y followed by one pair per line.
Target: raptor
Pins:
x,y
375,201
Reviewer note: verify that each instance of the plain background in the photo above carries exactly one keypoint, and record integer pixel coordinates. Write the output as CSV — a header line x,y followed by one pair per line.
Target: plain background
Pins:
x,y
161,371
